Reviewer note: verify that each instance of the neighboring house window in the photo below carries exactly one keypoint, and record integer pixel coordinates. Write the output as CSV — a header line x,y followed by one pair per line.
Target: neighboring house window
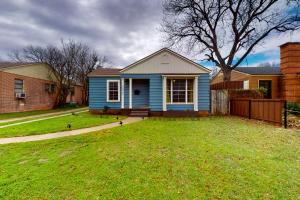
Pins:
x,y
267,84
246,85
19,86
113,90
50,88
180,91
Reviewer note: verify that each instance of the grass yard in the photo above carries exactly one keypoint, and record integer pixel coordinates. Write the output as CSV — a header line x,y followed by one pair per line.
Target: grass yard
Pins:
x,y
213,158
80,120
32,113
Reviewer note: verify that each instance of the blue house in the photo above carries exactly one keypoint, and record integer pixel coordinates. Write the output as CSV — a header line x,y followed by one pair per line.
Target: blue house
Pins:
x,y
163,83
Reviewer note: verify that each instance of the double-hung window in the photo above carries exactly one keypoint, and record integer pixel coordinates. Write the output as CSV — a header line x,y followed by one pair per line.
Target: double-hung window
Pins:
x,y
19,86
180,91
113,90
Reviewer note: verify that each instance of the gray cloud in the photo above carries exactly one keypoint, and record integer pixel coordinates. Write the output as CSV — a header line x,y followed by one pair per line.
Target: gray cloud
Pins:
x,y
121,30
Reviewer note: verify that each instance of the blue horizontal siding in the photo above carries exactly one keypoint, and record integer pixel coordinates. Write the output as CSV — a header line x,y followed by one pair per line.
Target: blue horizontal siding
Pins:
x,y
137,76
97,93
203,92
155,92
183,107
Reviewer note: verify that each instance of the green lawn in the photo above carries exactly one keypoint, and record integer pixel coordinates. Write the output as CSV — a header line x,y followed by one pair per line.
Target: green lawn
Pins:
x,y
31,113
81,120
213,158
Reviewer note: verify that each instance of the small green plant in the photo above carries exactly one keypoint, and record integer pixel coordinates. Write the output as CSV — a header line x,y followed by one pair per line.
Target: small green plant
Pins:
x,y
69,105
105,109
263,90
293,108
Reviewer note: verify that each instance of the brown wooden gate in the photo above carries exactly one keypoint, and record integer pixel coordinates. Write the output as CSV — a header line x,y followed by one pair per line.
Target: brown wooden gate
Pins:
x,y
269,110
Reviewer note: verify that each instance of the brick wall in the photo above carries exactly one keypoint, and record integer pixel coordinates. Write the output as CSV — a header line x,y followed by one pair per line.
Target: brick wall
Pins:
x,y
36,96
77,97
290,67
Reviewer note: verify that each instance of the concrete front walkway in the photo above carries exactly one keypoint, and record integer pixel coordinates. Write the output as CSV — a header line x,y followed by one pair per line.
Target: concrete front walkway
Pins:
x,y
128,120
42,115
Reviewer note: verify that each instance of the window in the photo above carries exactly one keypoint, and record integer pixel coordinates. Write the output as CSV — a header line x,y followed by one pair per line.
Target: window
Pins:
x,y
19,86
180,90
246,85
267,84
113,90
50,88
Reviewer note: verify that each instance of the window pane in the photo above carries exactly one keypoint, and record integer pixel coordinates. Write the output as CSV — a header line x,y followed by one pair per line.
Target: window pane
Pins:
x,y
113,85
18,86
190,84
178,96
169,84
179,84
168,96
190,97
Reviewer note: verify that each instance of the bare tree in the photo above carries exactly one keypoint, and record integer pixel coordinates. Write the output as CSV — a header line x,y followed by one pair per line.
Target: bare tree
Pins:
x,y
69,64
268,64
86,61
227,30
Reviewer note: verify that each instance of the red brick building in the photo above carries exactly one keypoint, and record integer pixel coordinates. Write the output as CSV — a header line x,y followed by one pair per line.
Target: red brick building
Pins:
x,y
290,68
29,86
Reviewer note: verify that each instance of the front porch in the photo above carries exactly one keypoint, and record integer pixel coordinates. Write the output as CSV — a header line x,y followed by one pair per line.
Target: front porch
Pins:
x,y
163,93
135,93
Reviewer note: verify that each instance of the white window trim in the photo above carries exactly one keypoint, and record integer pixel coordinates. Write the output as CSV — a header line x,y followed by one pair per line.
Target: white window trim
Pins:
x,y
186,94
107,90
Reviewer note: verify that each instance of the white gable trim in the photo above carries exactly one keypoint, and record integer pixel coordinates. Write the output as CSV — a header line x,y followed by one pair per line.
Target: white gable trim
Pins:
x,y
169,51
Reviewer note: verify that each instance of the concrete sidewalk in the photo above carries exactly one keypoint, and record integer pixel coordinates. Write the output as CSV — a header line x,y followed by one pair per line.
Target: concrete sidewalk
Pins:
x,y
128,120
39,119
42,115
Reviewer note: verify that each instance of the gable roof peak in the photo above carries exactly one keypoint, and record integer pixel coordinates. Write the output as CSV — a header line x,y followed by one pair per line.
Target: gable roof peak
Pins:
x,y
169,51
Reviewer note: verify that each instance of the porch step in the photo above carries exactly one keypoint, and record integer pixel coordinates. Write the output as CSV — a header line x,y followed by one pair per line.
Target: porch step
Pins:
x,y
139,113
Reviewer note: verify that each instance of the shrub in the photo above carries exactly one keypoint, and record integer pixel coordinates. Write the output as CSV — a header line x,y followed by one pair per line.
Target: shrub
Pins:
x,y
105,109
253,93
293,108
69,105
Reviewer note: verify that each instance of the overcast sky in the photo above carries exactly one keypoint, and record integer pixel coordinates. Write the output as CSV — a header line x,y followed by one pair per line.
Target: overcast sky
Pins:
x,y
122,30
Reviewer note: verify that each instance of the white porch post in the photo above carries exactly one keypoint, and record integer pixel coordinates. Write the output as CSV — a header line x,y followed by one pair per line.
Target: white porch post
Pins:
x,y
164,87
195,93
130,93
122,93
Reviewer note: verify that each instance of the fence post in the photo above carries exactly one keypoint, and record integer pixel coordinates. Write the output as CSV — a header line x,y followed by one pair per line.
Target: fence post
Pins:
x,y
249,109
285,114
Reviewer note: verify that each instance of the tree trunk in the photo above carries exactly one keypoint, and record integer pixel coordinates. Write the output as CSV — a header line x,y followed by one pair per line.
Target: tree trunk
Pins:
x,y
226,75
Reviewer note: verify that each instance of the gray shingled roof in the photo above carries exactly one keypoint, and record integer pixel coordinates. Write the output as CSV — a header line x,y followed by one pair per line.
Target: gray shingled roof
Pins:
x,y
259,70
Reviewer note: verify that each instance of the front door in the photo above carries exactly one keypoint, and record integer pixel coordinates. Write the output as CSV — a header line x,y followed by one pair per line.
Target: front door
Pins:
x,y
140,93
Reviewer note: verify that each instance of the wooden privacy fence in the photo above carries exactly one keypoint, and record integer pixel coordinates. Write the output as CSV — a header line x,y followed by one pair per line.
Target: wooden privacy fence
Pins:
x,y
230,85
219,102
269,110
